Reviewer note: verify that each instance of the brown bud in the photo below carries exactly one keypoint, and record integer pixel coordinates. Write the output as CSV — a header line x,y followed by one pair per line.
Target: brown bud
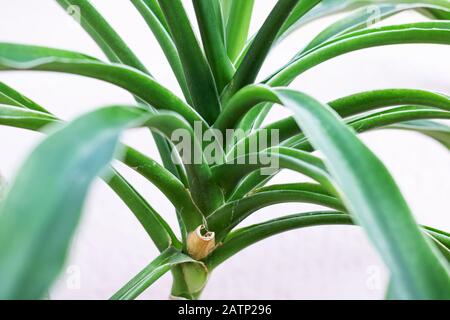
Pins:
x,y
200,243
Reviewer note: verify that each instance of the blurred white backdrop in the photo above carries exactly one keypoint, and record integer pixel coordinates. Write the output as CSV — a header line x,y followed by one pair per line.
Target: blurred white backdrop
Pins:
x,y
323,262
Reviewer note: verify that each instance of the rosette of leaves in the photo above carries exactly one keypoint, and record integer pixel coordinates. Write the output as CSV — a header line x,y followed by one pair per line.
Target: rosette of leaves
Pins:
x,y
217,74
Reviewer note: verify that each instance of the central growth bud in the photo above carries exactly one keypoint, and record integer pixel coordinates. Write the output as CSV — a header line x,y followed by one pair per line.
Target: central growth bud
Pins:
x,y
200,243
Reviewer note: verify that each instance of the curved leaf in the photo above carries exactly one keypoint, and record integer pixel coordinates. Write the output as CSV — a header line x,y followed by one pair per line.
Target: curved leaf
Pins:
x,y
262,43
328,7
224,219
347,106
206,193
357,172
198,75
9,96
380,120
421,32
247,236
117,51
229,174
157,268
47,206
211,28
165,41
238,25
169,185
435,130
153,5
382,212
23,57
24,118
362,18
103,34
155,226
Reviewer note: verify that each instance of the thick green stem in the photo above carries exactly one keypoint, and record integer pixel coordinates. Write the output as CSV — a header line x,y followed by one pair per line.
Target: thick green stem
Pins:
x,y
189,280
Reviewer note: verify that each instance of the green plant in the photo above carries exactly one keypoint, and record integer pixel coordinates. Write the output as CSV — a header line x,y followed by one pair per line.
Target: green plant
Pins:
x,y
217,77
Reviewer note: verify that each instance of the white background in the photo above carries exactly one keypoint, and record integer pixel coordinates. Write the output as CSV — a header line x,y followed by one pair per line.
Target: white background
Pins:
x,y
323,262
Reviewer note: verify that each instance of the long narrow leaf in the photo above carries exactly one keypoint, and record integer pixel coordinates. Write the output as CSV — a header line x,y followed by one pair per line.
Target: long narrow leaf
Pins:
x,y
157,228
229,174
362,18
347,106
380,120
9,96
238,25
382,212
165,41
23,57
424,32
24,118
153,171
211,28
245,237
224,219
261,45
438,131
117,51
157,268
198,74
47,206
328,7
105,36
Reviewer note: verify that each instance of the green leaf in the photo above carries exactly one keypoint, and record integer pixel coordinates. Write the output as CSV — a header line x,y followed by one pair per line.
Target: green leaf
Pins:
x,y
418,270
165,41
362,18
116,50
24,118
435,130
262,43
155,226
438,13
103,34
421,32
211,29
198,74
9,96
23,57
229,174
395,115
224,219
40,213
244,237
238,24
356,21
206,193
225,6
380,120
173,188
356,172
157,268
153,5
347,106
329,7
